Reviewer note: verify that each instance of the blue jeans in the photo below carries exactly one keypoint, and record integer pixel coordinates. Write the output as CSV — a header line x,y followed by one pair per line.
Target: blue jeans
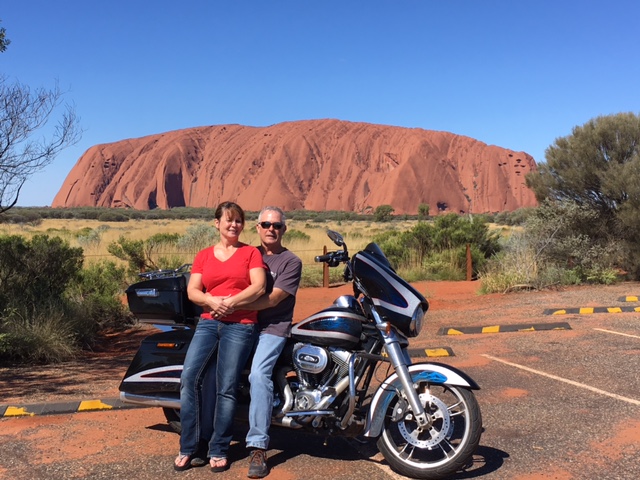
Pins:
x,y
233,342
267,352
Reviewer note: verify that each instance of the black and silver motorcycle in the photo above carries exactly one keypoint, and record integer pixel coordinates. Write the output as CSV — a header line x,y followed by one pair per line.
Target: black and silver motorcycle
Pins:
x,y
345,371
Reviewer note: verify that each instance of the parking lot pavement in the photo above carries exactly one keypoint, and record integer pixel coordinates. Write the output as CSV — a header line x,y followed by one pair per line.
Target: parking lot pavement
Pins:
x,y
556,404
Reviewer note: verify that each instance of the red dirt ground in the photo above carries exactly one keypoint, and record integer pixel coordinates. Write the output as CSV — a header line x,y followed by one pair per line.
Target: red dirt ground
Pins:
x,y
97,374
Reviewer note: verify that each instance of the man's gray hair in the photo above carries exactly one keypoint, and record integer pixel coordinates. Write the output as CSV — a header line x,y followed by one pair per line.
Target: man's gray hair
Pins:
x,y
273,209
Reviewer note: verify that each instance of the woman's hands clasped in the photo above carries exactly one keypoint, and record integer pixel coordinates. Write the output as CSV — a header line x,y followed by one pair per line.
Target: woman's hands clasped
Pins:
x,y
219,306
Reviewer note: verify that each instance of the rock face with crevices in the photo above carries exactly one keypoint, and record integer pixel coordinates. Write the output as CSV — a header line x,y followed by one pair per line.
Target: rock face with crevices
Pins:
x,y
304,165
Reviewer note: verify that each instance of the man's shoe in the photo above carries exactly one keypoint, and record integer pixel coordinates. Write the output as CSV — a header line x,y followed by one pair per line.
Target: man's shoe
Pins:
x,y
258,464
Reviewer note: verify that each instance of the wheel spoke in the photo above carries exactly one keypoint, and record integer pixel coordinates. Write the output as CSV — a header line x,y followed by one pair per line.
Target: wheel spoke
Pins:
x,y
453,413
407,451
450,451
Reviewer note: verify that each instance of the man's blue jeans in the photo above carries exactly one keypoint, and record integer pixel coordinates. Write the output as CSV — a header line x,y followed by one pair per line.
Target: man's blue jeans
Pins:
x,y
267,352
233,342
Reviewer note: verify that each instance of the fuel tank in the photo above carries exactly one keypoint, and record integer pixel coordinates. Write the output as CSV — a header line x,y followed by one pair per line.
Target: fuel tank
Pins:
x,y
335,326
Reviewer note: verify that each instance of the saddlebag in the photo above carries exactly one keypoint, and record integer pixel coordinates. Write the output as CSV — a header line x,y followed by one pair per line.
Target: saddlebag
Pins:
x,y
162,299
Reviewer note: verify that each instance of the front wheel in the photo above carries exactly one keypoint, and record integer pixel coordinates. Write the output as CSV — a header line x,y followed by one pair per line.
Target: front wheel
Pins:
x,y
442,448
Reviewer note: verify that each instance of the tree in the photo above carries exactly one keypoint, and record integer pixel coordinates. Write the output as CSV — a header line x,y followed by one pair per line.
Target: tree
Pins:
x,y
597,167
383,213
423,210
4,41
592,165
23,114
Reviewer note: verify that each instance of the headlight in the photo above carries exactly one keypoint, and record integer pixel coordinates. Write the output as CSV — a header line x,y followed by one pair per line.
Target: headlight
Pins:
x,y
416,320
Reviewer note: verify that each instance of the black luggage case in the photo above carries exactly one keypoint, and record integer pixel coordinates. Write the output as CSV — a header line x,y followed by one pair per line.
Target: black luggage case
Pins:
x,y
162,298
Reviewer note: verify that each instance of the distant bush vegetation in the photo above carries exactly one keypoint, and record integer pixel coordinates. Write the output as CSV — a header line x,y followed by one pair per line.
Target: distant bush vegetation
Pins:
x,y
52,304
438,250
383,213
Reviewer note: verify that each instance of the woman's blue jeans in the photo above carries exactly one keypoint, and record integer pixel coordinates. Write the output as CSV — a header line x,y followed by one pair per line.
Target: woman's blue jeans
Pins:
x,y
233,343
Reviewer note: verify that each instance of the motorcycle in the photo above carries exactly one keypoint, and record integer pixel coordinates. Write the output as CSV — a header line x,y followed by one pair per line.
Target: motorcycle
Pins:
x,y
328,381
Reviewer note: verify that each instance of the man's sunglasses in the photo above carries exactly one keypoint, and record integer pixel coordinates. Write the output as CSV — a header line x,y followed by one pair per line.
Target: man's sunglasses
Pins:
x,y
268,225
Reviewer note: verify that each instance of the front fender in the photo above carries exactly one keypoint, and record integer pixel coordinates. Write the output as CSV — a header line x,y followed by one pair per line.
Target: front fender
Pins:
x,y
435,373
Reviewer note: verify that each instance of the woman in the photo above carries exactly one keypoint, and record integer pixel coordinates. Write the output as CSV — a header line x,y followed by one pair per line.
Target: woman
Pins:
x,y
223,278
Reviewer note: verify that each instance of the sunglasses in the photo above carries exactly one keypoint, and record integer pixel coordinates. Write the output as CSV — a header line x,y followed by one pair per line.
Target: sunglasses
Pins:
x,y
268,225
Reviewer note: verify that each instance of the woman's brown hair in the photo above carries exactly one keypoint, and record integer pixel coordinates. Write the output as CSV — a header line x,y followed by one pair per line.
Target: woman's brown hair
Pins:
x,y
229,207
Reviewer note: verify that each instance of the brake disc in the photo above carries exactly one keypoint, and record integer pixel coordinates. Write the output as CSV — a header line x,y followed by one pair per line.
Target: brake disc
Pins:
x,y
440,417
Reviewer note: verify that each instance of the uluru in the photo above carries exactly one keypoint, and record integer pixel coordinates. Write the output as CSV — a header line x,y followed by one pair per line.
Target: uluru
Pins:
x,y
302,165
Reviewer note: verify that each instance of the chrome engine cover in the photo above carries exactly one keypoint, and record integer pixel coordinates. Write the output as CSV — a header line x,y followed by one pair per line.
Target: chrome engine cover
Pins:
x,y
309,358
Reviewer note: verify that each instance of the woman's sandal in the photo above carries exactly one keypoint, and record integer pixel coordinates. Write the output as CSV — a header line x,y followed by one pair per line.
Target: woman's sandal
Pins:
x,y
182,463
219,464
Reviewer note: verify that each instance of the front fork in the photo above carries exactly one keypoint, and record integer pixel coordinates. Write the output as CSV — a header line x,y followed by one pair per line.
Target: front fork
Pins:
x,y
400,363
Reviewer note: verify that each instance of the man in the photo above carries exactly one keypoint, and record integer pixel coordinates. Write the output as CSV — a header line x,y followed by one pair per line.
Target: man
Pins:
x,y
274,318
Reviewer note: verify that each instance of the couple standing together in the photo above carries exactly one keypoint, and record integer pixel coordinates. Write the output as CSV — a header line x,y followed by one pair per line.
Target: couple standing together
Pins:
x,y
248,296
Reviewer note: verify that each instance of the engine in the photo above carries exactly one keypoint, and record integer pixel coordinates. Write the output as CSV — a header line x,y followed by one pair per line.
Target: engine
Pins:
x,y
318,369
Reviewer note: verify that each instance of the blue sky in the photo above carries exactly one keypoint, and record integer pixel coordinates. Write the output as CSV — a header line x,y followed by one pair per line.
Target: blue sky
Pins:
x,y
517,74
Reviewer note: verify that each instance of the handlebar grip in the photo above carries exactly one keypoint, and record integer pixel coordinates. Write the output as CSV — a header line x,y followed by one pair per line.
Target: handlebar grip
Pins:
x,y
323,258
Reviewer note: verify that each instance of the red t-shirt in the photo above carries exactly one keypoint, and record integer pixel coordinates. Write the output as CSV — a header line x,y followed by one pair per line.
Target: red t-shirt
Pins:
x,y
228,277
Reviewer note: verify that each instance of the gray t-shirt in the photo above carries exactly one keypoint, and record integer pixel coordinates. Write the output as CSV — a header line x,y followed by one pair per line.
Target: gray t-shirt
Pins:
x,y
286,270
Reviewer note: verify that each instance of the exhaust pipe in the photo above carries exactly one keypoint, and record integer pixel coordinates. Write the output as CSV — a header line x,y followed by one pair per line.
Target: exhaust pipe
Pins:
x,y
149,401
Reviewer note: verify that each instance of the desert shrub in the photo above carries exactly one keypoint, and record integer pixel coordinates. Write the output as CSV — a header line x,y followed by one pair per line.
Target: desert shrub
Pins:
x,y
21,216
96,297
444,265
296,235
112,217
132,252
516,264
40,319
37,337
90,239
439,249
558,234
423,211
552,250
36,271
312,276
145,255
49,305
197,237
383,213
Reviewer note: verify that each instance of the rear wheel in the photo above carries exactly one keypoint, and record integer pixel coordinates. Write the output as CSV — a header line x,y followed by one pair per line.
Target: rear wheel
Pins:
x,y
173,418
442,448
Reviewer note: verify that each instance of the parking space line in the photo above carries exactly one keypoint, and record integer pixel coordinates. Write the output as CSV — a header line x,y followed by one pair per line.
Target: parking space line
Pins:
x,y
526,327
628,298
589,310
565,380
617,333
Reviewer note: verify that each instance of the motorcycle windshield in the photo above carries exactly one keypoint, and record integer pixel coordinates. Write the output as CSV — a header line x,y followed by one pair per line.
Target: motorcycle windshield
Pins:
x,y
378,254
394,297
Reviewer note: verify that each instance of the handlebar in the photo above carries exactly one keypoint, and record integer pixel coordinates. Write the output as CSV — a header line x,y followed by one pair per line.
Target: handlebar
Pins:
x,y
333,259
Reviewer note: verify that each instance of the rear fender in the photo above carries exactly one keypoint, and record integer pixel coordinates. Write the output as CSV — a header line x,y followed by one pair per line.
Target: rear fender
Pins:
x,y
434,373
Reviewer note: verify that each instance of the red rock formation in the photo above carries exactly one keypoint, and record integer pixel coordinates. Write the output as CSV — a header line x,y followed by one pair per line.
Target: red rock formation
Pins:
x,y
312,165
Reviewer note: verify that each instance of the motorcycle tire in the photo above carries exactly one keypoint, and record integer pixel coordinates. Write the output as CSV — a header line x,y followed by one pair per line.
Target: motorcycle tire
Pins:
x,y
173,418
440,450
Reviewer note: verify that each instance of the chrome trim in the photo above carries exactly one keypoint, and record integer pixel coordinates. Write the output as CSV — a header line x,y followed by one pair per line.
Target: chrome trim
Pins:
x,y
147,292
144,376
150,401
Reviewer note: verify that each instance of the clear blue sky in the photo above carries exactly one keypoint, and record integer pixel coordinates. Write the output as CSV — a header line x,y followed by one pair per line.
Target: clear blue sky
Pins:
x,y
517,74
